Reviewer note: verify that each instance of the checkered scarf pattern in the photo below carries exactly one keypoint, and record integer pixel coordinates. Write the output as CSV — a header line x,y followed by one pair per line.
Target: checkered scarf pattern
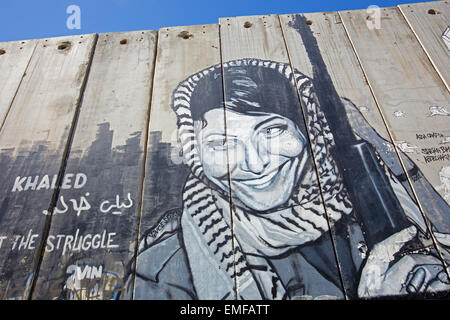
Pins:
x,y
304,220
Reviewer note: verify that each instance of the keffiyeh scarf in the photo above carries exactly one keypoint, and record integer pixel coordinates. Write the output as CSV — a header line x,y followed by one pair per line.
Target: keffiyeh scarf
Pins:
x,y
240,240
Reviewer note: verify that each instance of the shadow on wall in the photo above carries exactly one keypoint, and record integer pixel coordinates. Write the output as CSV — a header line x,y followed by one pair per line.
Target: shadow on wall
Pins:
x,y
99,173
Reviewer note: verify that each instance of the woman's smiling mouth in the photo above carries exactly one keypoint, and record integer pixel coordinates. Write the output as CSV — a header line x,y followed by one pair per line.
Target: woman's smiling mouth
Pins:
x,y
263,181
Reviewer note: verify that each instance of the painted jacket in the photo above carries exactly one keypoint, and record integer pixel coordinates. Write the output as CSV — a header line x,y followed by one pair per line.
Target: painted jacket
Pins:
x,y
163,270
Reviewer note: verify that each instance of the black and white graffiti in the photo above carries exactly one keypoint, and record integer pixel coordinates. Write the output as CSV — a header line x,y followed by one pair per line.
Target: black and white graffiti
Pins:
x,y
251,222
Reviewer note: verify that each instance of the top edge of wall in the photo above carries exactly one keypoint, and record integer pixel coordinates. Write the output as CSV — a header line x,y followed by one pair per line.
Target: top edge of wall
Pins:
x,y
223,18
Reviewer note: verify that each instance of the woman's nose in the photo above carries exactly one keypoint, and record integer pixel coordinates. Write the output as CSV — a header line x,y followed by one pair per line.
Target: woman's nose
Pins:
x,y
256,157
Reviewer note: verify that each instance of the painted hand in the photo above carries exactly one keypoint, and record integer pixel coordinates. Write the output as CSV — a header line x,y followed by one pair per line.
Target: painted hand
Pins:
x,y
411,274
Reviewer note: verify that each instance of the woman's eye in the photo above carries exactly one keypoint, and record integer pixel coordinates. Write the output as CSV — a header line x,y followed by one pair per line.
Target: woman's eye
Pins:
x,y
217,144
221,144
275,131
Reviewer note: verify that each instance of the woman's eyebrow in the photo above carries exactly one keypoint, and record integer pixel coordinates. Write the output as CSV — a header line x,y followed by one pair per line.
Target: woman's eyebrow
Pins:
x,y
209,134
267,121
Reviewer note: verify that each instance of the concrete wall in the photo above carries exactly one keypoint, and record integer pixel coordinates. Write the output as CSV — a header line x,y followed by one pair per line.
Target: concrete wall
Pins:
x,y
300,156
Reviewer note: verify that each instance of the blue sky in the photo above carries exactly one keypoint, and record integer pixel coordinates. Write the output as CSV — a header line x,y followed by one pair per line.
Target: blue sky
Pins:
x,y
29,19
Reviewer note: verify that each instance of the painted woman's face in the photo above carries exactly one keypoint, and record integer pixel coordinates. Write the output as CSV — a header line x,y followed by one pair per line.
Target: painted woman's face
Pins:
x,y
266,153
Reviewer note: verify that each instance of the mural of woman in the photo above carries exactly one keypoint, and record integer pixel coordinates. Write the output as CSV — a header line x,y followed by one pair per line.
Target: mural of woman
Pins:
x,y
271,238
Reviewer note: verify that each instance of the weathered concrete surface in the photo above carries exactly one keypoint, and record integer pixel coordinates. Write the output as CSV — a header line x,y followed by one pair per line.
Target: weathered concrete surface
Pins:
x,y
158,153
